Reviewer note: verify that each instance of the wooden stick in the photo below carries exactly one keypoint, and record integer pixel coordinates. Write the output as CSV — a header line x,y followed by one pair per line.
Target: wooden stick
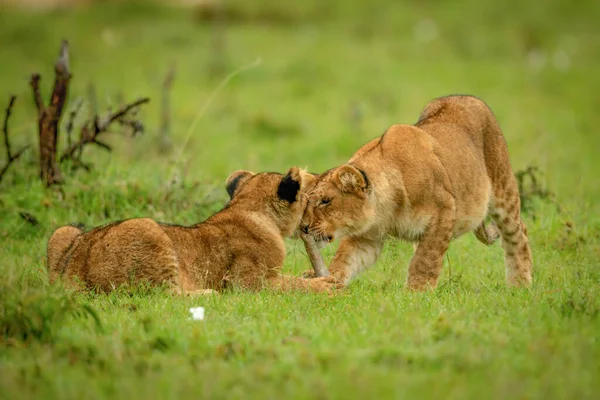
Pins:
x,y
316,259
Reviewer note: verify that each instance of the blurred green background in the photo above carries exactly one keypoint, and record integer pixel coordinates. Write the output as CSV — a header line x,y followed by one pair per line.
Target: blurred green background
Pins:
x,y
332,75
264,85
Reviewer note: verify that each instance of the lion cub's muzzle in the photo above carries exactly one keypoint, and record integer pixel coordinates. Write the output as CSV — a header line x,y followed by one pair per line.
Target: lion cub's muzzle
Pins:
x,y
317,234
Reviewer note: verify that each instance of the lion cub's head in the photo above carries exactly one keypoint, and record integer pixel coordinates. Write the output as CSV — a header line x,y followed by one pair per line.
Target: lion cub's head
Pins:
x,y
280,197
338,204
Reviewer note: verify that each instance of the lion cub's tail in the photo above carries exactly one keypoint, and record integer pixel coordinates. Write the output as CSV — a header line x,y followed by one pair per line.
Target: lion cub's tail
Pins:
x,y
487,234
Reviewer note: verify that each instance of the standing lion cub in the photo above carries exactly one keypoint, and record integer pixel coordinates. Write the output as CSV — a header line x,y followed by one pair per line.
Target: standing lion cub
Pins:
x,y
427,183
241,244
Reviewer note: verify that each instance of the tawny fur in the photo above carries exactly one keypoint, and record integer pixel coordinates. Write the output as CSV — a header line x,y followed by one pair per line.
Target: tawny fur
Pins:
x,y
426,183
241,245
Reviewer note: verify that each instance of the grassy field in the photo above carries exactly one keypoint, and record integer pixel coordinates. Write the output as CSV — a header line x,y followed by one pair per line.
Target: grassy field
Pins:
x,y
328,78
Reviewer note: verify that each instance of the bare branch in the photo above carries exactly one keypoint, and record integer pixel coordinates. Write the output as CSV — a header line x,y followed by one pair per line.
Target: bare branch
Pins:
x,y
11,102
120,101
62,63
4,169
103,145
72,116
37,97
20,152
122,111
61,80
80,164
92,129
136,126
10,158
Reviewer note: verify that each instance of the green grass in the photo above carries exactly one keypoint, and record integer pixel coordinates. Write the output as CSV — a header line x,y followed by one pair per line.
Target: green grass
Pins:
x,y
331,77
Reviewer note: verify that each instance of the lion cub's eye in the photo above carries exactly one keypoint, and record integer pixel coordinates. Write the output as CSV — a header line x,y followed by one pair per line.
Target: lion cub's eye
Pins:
x,y
324,202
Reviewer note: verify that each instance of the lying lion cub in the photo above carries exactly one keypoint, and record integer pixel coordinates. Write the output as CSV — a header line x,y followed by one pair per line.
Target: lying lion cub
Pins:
x,y
241,244
427,183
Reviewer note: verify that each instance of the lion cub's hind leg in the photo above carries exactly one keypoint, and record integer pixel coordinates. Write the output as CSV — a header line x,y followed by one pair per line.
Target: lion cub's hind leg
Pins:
x,y
58,245
506,211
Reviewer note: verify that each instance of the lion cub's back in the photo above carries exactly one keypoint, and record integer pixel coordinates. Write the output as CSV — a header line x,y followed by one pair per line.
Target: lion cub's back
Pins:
x,y
120,253
464,127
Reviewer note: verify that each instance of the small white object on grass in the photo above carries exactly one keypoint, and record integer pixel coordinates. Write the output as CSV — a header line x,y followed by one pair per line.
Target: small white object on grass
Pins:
x,y
197,313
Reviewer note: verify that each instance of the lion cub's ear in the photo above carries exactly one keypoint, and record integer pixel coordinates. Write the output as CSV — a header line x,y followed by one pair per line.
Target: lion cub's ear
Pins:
x,y
234,180
350,179
293,182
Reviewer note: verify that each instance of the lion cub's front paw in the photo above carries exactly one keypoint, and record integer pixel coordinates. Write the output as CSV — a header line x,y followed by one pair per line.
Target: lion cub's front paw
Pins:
x,y
309,274
326,284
